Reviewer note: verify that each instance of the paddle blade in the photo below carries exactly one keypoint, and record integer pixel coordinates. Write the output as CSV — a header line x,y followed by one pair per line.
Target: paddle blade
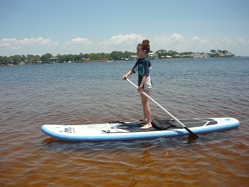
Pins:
x,y
195,136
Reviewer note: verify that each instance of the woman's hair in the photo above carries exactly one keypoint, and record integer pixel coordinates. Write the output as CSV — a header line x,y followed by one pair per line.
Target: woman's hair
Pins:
x,y
145,45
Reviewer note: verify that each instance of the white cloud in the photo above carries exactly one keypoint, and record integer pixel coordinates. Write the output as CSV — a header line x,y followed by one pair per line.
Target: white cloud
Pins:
x,y
174,41
40,45
180,43
242,42
79,41
26,42
176,37
128,42
169,39
226,41
198,40
126,39
232,43
120,42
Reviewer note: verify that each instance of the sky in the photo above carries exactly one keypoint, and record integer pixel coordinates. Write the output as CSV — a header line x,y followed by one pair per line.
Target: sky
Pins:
x,y
91,26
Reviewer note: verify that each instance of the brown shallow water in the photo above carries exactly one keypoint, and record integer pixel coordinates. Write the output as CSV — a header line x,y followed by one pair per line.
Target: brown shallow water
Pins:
x,y
93,93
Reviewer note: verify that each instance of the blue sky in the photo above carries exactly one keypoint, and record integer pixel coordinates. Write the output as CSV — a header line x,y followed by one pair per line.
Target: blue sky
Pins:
x,y
74,26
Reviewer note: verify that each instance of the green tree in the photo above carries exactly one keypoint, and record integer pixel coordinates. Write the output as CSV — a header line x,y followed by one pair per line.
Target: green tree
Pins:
x,y
17,59
213,51
4,60
45,58
114,55
23,57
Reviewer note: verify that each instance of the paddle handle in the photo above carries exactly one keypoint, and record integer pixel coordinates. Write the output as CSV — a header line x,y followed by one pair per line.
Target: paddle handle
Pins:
x,y
159,105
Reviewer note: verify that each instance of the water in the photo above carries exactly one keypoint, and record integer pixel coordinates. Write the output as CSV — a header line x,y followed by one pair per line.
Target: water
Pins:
x,y
93,93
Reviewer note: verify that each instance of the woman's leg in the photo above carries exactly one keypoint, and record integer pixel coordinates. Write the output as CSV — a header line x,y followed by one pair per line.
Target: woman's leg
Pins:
x,y
143,101
146,109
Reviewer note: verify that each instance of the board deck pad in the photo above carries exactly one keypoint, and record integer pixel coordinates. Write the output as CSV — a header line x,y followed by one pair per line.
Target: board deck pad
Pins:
x,y
158,124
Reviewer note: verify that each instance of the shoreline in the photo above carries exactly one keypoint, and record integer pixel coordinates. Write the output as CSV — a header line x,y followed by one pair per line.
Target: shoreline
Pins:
x,y
48,58
110,61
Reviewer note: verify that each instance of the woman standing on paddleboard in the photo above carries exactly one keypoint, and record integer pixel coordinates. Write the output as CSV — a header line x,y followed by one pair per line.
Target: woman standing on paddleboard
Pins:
x,y
143,67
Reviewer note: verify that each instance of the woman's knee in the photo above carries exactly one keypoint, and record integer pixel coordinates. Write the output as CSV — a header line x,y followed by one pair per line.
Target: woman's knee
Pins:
x,y
145,104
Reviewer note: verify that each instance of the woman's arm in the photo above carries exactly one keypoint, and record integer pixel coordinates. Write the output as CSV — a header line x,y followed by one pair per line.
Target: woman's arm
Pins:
x,y
142,83
127,74
133,70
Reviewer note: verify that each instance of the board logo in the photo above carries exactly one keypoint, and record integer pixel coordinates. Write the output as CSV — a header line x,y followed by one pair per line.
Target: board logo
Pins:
x,y
69,130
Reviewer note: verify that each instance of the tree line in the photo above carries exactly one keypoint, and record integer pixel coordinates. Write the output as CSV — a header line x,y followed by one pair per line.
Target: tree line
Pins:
x,y
43,59
174,54
115,55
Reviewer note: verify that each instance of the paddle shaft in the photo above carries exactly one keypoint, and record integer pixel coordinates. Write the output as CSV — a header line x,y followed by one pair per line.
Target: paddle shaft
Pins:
x,y
163,109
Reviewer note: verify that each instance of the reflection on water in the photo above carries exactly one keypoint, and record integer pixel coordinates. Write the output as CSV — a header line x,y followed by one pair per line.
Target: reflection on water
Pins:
x,y
94,92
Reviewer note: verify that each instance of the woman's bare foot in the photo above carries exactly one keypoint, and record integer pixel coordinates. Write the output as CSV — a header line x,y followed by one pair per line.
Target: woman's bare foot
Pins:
x,y
147,126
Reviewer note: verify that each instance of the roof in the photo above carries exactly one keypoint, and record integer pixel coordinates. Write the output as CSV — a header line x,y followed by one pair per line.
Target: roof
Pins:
x,y
54,58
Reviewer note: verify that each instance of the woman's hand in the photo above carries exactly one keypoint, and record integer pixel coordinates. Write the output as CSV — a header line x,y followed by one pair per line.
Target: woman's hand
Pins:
x,y
139,89
125,77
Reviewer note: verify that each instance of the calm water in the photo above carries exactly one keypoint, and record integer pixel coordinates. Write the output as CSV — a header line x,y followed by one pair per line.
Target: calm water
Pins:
x,y
93,93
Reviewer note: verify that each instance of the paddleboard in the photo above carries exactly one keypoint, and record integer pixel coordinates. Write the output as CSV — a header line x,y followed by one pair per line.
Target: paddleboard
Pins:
x,y
131,130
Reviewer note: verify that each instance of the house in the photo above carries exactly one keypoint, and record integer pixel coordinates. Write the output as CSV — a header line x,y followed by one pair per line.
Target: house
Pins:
x,y
161,51
133,57
201,55
205,55
152,55
53,59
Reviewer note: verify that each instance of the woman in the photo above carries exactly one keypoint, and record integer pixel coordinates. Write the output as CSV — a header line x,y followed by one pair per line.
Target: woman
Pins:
x,y
143,67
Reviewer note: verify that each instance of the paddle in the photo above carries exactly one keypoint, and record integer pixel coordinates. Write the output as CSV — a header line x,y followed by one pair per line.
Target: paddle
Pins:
x,y
191,132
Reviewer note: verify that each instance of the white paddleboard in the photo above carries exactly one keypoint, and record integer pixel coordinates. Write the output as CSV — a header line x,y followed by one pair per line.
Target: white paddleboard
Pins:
x,y
130,131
